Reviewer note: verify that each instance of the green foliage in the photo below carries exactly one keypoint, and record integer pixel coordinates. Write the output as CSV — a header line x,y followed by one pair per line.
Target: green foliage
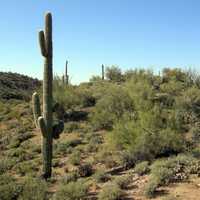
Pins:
x,y
101,176
33,189
111,108
151,187
123,181
71,191
70,177
142,168
9,188
114,73
75,158
171,170
110,192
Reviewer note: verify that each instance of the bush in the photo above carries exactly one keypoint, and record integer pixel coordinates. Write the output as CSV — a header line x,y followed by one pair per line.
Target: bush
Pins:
x,y
65,147
71,127
114,73
142,168
34,189
101,176
6,164
110,192
112,107
9,188
171,170
75,158
151,187
123,181
71,191
70,177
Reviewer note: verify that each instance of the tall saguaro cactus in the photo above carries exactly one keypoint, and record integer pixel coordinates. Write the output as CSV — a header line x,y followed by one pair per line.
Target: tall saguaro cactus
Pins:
x,y
44,121
102,72
66,73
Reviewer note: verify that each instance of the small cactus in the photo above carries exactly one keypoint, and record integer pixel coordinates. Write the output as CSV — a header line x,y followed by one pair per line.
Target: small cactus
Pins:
x,y
102,68
44,121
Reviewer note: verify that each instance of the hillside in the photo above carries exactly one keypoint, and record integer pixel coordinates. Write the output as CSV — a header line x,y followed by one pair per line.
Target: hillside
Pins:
x,y
133,136
17,86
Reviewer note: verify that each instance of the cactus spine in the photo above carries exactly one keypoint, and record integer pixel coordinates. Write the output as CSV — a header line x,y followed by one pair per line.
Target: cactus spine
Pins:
x,y
45,121
66,74
102,72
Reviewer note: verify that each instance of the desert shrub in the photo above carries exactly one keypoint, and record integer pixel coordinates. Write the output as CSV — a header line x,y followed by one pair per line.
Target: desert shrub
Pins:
x,y
71,191
66,96
112,107
171,170
106,157
26,167
19,154
114,73
20,137
127,159
75,158
101,176
110,192
70,177
6,164
71,127
9,188
123,181
65,147
33,189
151,187
85,170
93,143
142,168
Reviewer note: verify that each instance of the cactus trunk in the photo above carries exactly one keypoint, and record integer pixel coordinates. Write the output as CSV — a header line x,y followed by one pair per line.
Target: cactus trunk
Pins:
x,y
102,68
66,74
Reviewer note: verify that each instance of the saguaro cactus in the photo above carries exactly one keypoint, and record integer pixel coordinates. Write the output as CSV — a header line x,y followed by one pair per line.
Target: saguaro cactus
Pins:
x,y
102,73
66,73
44,122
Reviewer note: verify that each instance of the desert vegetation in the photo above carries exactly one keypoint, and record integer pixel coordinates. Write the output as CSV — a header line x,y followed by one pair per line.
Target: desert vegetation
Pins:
x,y
125,134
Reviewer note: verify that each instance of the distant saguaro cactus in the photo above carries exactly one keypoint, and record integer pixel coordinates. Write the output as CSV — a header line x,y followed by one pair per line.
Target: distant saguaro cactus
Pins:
x,y
102,72
44,122
66,73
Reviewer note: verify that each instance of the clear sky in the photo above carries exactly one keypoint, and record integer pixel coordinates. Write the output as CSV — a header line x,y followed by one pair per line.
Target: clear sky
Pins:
x,y
128,33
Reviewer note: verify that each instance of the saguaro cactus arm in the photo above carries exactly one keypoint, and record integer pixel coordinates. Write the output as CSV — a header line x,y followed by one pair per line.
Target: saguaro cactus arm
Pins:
x,y
36,107
42,43
42,126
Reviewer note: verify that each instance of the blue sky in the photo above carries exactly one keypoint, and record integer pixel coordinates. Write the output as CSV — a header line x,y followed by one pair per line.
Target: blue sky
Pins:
x,y
128,33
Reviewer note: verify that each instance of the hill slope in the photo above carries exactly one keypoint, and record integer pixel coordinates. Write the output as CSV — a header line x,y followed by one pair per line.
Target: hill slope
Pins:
x,y
17,86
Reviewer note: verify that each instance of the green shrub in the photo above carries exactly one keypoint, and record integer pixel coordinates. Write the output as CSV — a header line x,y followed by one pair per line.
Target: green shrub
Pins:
x,y
114,73
6,164
75,158
151,187
9,188
142,168
65,147
110,192
71,191
70,177
123,181
171,170
34,189
101,176
112,107
71,127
